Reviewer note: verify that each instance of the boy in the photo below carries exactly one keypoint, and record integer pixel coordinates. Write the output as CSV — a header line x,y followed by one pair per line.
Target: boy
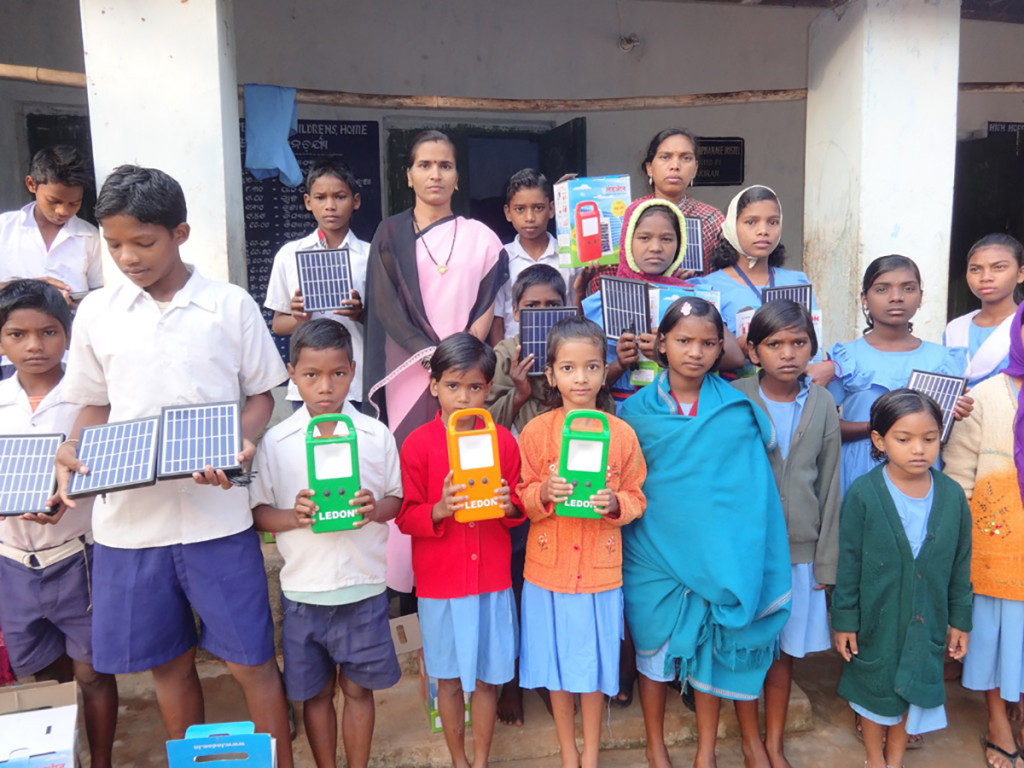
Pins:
x,y
529,207
332,195
45,602
333,590
167,335
45,240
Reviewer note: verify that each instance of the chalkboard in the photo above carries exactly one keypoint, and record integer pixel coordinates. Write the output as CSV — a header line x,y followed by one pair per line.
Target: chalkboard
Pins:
x,y
275,214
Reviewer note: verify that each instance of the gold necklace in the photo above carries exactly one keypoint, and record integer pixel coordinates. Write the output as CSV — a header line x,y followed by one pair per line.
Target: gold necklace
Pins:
x,y
441,268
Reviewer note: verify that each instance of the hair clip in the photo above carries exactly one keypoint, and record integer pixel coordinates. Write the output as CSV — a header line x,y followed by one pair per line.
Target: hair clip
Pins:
x,y
686,309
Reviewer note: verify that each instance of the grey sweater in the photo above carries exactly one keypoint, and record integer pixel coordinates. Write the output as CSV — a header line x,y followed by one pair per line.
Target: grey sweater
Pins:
x,y
808,480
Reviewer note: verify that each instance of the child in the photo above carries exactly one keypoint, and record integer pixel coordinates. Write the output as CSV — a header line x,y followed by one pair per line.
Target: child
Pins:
x,y
884,357
903,590
529,207
572,599
706,596
333,591
462,569
332,195
167,335
45,601
655,243
45,240
984,454
805,463
995,271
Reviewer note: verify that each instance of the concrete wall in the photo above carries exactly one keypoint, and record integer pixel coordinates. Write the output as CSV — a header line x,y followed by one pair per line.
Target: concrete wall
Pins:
x,y
538,48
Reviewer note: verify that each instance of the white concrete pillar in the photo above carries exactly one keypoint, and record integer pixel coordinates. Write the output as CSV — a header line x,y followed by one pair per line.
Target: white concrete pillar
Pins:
x,y
881,143
163,93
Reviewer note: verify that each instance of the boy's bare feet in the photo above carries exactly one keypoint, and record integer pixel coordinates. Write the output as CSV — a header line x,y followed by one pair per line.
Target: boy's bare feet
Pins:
x,y
657,757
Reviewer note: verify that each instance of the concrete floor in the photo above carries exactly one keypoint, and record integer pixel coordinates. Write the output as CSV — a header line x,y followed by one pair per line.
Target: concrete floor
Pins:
x,y
821,724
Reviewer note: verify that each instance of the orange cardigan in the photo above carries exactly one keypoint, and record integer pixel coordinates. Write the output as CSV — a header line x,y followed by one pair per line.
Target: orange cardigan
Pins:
x,y
567,554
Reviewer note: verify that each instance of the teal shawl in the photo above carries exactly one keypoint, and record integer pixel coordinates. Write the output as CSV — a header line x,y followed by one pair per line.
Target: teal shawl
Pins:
x,y
709,560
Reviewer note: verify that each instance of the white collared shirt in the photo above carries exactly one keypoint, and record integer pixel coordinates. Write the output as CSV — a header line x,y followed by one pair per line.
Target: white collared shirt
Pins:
x,y
74,255
284,281
210,345
53,415
322,562
518,260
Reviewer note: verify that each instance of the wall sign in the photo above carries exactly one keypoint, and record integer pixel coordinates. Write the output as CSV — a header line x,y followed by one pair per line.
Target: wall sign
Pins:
x,y
720,162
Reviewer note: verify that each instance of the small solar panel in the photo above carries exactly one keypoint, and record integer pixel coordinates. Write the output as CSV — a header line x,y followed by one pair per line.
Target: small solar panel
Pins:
x,y
325,278
801,294
193,437
119,455
943,389
693,259
625,306
27,473
534,325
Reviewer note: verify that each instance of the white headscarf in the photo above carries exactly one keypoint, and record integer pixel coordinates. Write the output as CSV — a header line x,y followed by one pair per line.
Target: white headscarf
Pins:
x,y
729,225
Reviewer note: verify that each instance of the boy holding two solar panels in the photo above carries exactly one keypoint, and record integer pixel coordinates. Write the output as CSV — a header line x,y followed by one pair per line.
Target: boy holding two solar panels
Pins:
x,y
169,336
45,601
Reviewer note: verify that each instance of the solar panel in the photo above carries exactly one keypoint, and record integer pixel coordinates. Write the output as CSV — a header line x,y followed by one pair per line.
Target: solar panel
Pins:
x,y
325,278
27,473
693,258
534,325
801,294
119,455
943,389
625,307
193,437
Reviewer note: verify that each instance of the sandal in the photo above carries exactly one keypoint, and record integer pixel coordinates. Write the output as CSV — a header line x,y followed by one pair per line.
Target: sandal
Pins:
x,y
915,740
1011,756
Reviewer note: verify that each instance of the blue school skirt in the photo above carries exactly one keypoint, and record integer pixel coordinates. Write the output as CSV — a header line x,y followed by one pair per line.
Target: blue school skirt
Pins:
x,y
995,655
571,642
806,630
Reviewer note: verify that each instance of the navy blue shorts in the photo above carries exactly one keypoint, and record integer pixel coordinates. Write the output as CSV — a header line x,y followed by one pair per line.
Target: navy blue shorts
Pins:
x,y
143,602
319,638
46,613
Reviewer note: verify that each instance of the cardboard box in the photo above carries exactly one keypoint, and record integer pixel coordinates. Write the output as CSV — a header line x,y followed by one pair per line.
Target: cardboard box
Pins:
x,y
38,725
231,745
588,219
405,634
428,689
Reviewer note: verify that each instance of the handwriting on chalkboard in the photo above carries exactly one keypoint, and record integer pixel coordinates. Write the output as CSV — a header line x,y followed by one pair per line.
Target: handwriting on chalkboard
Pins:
x,y
276,214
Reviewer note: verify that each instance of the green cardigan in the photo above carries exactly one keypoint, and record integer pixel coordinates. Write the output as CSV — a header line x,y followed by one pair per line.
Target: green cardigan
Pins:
x,y
900,607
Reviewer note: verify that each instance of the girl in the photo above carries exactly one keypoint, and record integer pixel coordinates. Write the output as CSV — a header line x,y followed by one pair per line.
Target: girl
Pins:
x,y
462,571
670,165
654,245
985,454
995,271
884,357
706,595
806,467
903,588
572,598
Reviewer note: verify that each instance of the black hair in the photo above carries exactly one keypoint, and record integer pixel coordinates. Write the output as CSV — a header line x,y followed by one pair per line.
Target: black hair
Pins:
x,y
538,274
1012,244
146,194
659,137
321,333
675,313
37,295
60,164
881,266
725,255
566,329
528,178
893,406
462,352
335,166
422,138
778,315
664,210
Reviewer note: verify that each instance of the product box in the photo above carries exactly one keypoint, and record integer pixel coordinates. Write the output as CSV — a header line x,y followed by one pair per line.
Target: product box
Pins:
x,y
588,219
428,690
38,724
223,745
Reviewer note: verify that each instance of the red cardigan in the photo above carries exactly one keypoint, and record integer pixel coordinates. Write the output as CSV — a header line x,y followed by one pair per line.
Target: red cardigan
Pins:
x,y
451,559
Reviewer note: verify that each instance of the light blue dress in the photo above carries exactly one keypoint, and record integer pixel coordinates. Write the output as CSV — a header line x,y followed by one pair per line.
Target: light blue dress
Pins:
x,y
863,374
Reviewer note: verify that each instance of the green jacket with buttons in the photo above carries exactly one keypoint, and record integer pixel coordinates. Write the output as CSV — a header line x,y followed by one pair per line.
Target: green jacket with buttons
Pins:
x,y
900,607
